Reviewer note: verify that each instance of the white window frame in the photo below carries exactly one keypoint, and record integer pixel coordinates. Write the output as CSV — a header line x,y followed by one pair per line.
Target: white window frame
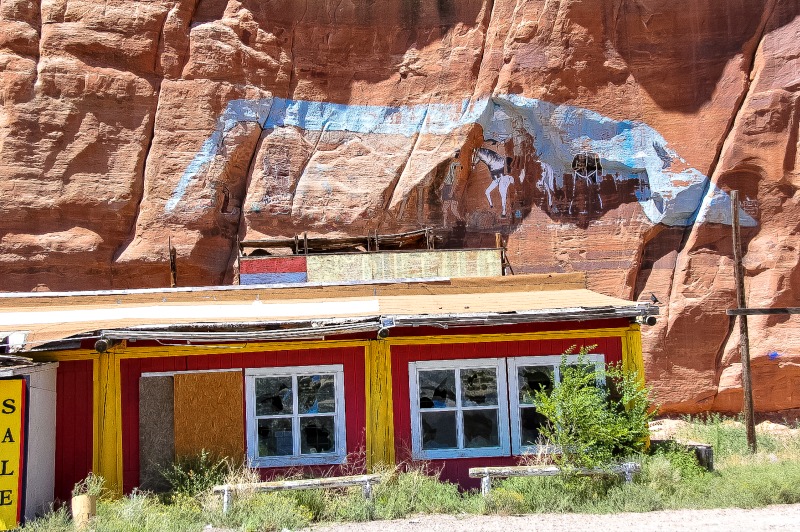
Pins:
x,y
337,457
499,365
553,361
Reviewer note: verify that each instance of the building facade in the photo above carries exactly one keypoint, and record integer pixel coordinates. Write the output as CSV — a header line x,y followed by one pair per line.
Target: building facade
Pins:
x,y
440,372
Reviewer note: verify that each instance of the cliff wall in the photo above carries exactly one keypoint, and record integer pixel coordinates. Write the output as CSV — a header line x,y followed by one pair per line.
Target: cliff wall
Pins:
x,y
602,136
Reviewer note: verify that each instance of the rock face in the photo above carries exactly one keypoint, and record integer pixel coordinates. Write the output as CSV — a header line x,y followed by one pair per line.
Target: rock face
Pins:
x,y
601,136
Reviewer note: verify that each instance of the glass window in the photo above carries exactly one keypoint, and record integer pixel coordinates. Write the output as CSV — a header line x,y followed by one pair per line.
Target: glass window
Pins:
x,y
295,415
527,375
459,408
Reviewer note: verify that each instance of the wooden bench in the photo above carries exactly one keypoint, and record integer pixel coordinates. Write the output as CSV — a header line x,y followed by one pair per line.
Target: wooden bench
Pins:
x,y
486,474
365,481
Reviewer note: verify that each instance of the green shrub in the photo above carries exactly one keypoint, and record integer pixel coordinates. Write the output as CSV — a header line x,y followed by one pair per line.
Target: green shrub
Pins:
x,y
265,512
192,475
415,491
504,501
592,424
91,485
144,512
348,505
55,521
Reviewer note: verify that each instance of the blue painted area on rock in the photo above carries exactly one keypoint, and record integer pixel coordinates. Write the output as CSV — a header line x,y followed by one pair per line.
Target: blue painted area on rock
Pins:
x,y
678,195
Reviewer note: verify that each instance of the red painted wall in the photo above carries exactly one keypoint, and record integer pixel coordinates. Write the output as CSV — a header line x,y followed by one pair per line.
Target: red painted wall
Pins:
x,y
74,423
456,470
352,358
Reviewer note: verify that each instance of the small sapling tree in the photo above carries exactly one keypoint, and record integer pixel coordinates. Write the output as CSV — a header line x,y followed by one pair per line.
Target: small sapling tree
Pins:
x,y
594,414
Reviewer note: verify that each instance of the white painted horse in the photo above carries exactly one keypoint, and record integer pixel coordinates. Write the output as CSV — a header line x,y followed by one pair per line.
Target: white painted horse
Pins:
x,y
499,168
547,184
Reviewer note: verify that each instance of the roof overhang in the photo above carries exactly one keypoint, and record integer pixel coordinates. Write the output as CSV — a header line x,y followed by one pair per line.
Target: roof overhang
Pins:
x,y
310,312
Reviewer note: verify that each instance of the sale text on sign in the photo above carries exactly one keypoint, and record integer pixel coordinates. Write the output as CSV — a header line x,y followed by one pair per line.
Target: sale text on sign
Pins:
x,y
12,426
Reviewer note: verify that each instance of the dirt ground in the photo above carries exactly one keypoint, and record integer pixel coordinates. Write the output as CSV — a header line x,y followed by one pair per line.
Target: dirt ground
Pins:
x,y
780,517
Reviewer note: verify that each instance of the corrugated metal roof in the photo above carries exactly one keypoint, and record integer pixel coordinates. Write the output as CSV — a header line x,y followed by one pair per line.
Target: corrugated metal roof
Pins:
x,y
320,309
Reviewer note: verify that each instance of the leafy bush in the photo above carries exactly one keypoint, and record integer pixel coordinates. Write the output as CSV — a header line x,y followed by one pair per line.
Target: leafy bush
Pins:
x,y
591,424
192,475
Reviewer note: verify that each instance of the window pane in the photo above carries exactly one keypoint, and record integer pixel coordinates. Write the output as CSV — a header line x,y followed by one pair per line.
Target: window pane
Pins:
x,y
530,423
273,396
480,428
316,394
478,387
437,389
439,430
531,379
275,437
317,435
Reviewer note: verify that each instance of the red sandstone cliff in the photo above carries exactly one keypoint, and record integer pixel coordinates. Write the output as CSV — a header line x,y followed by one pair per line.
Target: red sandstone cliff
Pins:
x,y
106,105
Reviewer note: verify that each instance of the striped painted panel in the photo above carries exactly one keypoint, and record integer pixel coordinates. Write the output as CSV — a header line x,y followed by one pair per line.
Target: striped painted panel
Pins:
x,y
272,278
272,265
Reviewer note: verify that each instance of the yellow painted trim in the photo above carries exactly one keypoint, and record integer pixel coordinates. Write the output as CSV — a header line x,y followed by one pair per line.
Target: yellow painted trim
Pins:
x,y
191,350
109,426
128,350
118,426
65,356
632,357
514,337
379,404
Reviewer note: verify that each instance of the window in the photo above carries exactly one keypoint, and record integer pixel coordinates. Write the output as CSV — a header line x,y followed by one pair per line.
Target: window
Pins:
x,y
526,375
481,407
295,415
459,408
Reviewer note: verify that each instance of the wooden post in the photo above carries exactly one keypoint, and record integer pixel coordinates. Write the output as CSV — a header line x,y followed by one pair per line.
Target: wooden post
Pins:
x,y
305,242
226,501
173,268
744,338
486,485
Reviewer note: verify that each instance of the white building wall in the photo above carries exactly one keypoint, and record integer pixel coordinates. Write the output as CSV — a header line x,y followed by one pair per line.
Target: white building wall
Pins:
x,y
41,457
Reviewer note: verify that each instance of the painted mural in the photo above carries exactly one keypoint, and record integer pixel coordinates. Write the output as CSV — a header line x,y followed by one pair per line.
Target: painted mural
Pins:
x,y
571,163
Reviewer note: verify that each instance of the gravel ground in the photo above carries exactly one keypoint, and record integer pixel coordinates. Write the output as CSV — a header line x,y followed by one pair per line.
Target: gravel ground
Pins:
x,y
780,517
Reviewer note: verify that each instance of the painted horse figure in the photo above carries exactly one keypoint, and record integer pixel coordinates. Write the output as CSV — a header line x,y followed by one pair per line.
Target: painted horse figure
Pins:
x,y
547,184
499,168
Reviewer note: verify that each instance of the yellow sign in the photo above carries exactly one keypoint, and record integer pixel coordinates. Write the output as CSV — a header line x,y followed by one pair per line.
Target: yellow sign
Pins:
x,y
12,427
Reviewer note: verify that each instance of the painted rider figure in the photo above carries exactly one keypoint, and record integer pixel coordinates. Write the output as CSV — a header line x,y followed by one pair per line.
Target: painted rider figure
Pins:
x,y
586,165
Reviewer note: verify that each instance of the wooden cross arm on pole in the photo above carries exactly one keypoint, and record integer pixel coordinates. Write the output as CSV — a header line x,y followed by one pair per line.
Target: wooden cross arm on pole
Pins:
x,y
761,311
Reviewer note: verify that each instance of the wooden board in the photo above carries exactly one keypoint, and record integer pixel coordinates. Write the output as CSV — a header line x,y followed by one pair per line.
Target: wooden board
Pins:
x,y
407,265
209,414
156,431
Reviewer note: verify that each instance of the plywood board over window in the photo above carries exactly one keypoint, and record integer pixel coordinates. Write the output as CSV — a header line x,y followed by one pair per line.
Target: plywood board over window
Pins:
x,y
209,413
156,431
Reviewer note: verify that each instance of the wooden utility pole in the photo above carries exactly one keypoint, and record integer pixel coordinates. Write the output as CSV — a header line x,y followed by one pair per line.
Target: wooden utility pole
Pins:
x,y
744,338
173,269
